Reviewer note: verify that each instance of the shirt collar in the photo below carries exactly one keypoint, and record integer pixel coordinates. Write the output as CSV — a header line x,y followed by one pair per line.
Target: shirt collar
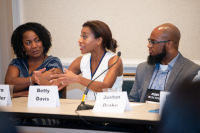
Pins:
x,y
171,63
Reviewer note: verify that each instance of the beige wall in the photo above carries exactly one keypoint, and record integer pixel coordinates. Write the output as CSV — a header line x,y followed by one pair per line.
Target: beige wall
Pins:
x,y
131,22
6,28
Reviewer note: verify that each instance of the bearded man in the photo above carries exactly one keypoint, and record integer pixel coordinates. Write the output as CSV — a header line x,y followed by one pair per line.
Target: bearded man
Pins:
x,y
165,67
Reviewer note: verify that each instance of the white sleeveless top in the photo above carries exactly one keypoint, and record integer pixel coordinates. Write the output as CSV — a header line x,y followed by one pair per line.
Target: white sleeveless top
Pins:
x,y
86,73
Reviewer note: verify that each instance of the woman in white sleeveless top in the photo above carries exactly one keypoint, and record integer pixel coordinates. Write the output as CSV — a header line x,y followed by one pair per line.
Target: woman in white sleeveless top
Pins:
x,y
95,41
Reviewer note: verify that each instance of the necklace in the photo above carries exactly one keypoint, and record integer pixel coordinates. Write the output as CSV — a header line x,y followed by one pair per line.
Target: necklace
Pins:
x,y
92,74
36,68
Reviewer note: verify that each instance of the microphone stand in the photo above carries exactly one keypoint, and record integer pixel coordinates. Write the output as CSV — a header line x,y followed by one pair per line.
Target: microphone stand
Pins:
x,y
84,106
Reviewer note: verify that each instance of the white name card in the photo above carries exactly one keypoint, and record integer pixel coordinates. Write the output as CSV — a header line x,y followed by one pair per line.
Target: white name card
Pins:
x,y
43,96
5,98
112,102
163,97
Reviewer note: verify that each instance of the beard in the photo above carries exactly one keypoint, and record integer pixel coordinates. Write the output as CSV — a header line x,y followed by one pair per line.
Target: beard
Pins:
x,y
152,60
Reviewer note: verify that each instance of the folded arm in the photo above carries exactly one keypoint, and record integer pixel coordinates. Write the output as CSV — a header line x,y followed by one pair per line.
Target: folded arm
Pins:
x,y
42,77
20,94
20,83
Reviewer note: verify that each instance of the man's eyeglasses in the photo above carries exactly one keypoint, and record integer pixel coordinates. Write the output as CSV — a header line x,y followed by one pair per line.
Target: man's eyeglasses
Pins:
x,y
153,42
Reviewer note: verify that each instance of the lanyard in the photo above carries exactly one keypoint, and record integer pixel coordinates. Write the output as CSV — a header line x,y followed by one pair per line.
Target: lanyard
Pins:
x,y
92,74
156,75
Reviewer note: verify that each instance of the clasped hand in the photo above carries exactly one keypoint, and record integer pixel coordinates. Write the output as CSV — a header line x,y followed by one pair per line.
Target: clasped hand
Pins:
x,y
60,80
64,79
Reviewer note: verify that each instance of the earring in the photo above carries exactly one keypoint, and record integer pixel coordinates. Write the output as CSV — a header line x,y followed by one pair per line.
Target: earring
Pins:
x,y
23,54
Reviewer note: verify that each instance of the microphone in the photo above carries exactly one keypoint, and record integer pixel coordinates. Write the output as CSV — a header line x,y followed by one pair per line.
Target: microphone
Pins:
x,y
84,106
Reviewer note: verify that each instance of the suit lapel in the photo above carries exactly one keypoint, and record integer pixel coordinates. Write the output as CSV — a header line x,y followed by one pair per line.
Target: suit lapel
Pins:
x,y
147,79
175,71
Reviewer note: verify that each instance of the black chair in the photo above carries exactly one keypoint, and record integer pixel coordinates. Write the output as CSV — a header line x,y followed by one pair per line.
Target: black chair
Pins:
x,y
127,86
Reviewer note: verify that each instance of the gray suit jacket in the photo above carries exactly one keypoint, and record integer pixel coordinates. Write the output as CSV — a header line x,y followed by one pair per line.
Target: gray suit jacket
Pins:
x,y
182,70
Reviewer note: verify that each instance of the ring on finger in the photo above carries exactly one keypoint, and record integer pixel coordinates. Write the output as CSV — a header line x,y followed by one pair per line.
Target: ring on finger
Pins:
x,y
62,83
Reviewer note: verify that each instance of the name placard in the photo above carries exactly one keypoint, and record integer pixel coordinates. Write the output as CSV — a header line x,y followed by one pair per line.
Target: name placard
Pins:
x,y
43,96
5,98
112,102
163,97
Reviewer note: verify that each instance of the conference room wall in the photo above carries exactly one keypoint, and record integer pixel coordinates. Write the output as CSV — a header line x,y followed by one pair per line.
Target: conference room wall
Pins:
x,y
131,22
6,28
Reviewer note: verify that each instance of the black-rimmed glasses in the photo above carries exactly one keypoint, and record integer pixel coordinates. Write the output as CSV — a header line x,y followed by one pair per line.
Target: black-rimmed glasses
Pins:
x,y
153,42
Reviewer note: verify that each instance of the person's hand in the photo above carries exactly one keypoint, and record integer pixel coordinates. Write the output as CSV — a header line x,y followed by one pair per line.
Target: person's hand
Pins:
x,y
36,75
42,75
63,79
46,75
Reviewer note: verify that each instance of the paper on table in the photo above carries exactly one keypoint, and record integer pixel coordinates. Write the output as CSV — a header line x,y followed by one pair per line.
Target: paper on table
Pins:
x,y
5,98
134,104
152,102
112,102
43,96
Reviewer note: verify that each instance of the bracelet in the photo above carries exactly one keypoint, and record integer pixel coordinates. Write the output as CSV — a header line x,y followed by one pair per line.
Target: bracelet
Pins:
x,y
31,81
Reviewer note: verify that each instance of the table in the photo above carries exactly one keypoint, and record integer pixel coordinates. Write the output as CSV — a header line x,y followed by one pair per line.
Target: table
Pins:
x,y
139,115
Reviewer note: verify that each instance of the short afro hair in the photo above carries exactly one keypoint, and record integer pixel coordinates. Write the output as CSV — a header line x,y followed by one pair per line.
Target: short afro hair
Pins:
x,y
17,36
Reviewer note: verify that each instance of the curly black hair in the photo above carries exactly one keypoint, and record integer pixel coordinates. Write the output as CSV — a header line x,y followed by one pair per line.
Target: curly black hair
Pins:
x,y
17,36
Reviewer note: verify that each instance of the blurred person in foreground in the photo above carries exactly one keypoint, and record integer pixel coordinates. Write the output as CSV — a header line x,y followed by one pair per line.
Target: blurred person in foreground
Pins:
x,y
6,126
181,110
